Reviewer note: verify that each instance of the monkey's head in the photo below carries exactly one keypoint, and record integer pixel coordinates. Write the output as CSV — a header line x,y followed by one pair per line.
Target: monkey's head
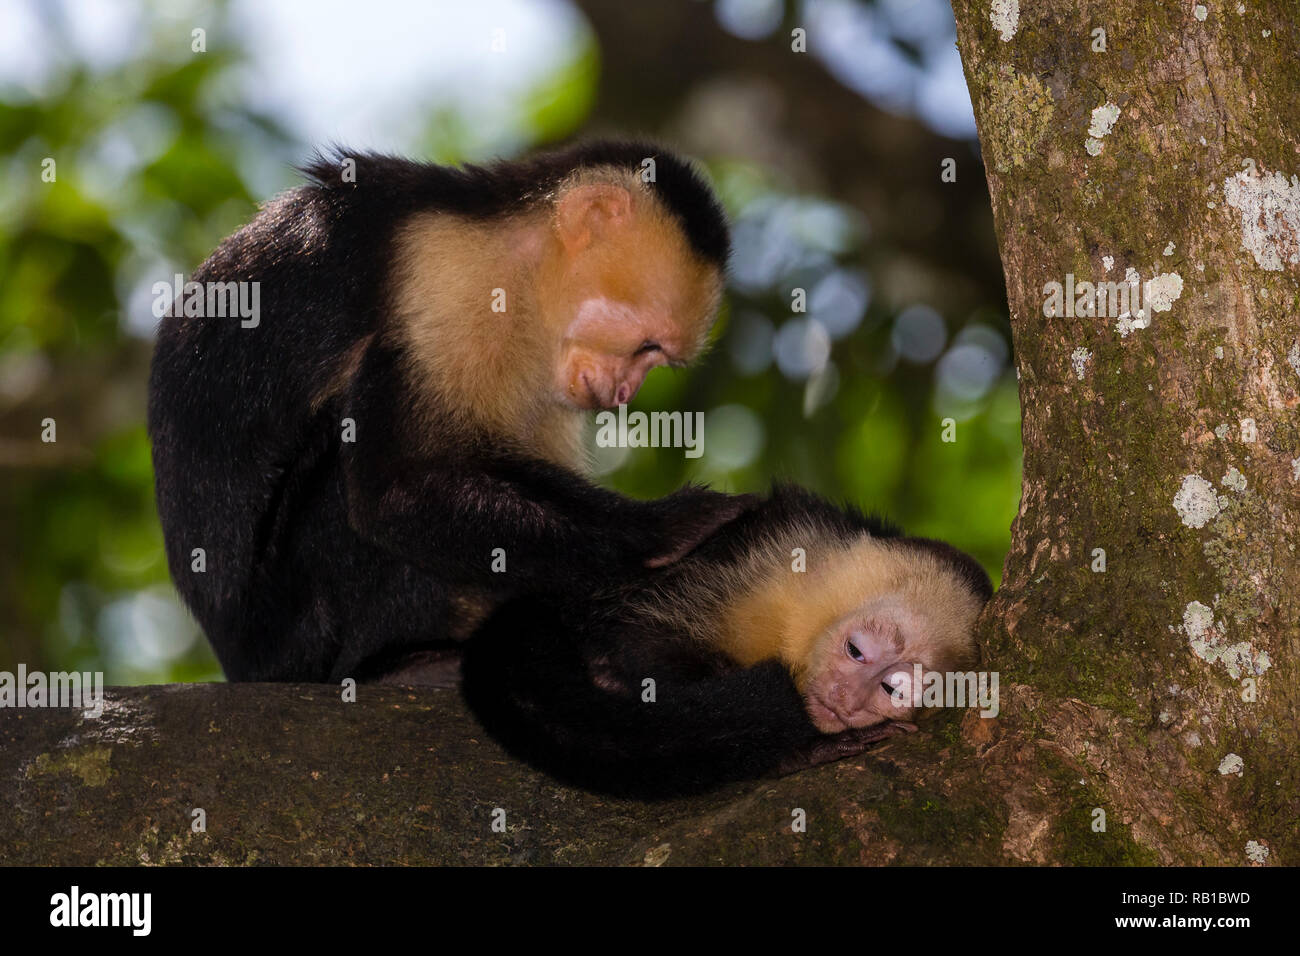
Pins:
x,y
918,606
623,290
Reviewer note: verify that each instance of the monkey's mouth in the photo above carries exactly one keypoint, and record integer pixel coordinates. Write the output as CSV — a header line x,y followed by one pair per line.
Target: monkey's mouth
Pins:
x,y
824,718
829,719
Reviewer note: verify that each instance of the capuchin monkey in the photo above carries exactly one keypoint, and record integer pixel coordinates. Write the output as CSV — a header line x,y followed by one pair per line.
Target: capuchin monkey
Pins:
x,y
730,663
391,445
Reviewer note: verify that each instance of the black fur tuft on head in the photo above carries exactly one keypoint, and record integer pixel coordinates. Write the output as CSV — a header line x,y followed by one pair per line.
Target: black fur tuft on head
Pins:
x,y
792,499
789,498
505,186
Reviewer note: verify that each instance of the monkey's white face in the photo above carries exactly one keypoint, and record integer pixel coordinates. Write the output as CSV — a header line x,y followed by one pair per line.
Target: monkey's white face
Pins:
x,y
622,293
862,667
609,348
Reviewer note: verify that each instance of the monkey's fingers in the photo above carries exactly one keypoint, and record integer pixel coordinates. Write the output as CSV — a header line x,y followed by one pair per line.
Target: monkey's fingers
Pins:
x,y
699,515
834,747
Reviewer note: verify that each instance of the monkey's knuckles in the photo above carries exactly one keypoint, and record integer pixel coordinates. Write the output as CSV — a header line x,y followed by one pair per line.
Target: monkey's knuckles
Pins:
x,y
848,743
693,516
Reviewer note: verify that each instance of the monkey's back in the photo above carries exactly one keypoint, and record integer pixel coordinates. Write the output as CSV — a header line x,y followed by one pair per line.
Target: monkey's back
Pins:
x,y
244,451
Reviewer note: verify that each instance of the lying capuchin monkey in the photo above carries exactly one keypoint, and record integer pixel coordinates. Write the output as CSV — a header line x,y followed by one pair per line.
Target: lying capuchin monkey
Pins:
x,y
389,442
731,663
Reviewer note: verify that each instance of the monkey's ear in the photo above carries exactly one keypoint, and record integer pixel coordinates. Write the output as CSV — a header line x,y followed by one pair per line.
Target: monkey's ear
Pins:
x,y
584,211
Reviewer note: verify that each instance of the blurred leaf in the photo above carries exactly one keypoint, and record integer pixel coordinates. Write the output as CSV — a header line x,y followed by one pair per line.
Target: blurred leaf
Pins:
x,y
559,106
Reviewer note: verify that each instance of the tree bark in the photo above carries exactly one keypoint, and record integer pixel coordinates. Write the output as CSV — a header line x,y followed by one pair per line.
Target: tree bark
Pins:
x,y
1163,690
291,775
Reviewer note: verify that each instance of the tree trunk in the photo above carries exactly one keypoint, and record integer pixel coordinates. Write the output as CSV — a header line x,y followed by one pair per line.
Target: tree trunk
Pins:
x,y
1158,682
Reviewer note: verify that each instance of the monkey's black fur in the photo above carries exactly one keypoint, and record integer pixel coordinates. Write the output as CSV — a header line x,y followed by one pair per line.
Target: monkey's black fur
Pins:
x,y
558,679
499,189
328,559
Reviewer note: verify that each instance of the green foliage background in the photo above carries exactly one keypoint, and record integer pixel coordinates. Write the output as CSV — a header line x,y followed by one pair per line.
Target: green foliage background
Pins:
x,y
84,582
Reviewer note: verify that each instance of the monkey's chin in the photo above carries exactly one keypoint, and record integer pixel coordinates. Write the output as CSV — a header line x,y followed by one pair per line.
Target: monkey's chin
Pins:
x,y
823,718
828,721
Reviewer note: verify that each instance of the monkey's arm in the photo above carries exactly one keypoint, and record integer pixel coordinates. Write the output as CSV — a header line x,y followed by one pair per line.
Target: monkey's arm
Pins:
x,y
450,509
557,700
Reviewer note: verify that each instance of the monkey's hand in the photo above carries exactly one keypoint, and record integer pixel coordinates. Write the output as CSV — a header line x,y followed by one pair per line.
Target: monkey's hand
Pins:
x,y
689,517
832,747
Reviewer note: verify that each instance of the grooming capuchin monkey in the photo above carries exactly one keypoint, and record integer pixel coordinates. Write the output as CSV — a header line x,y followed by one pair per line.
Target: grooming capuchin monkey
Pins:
x,y
392,446
757,668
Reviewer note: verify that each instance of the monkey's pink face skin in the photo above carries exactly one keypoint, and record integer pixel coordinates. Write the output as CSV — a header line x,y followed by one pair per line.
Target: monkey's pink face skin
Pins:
x,y
608,350
862,671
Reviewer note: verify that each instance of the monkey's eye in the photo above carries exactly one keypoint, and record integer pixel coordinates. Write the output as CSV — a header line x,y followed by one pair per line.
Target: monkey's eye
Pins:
x,y
852,650
647,346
